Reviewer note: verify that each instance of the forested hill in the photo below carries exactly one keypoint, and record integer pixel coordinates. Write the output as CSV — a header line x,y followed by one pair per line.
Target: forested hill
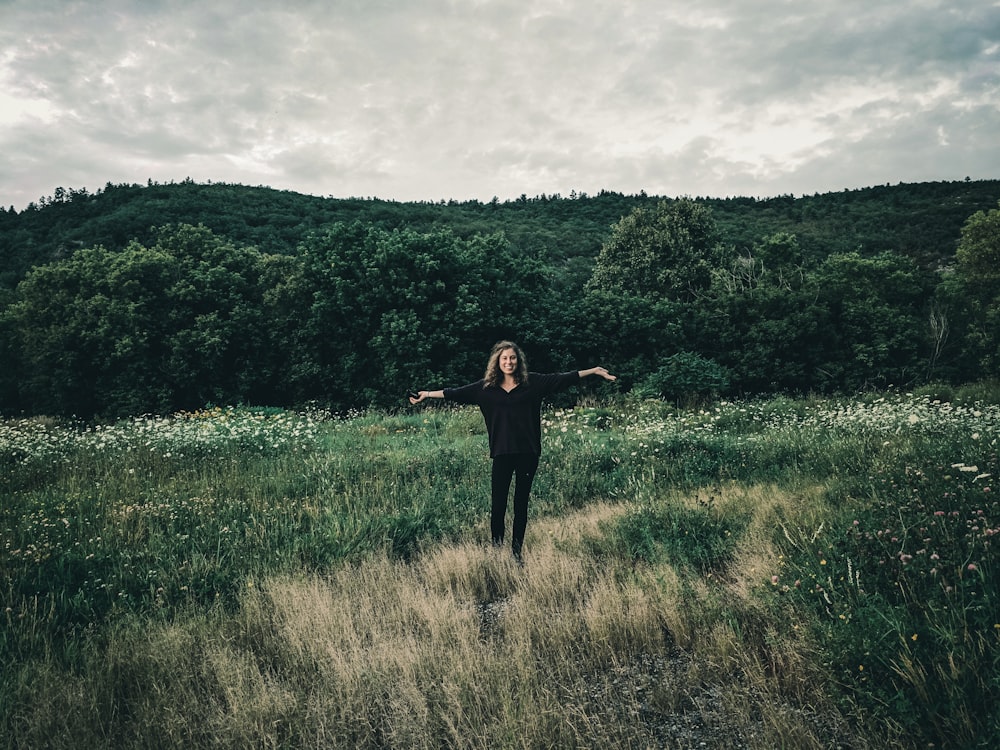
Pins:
x,y
920,220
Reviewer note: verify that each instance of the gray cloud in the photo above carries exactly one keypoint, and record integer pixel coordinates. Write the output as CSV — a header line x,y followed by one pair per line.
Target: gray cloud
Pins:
x,y
474,98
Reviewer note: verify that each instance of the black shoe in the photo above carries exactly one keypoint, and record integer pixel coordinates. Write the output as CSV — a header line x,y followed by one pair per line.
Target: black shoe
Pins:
x,y
518,557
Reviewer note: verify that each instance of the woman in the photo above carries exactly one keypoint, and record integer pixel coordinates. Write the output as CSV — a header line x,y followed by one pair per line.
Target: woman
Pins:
x,y
510,399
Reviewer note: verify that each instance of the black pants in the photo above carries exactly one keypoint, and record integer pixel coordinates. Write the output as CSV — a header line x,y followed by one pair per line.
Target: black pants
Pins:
x,y
505,467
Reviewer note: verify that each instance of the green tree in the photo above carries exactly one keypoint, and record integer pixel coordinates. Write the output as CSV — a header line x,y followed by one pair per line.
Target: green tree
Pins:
x,y
771,340
79,323
641,302
214,329
974,291
280,350
762,320
978,252
10,355
878,320
172,326
667,252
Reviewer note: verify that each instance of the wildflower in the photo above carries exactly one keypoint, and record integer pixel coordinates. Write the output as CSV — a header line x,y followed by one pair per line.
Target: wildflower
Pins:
x,y
972,568
774,580
913,419
913,637
861,667
822,562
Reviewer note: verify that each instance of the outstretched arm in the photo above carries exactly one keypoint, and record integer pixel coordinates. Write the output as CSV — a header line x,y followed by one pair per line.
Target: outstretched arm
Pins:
x,y
598,371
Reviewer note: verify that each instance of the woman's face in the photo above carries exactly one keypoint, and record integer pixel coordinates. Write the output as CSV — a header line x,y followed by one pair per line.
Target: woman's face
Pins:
x,y
508,361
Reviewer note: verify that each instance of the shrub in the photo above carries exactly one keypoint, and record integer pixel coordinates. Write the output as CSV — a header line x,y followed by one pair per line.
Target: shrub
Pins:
x,y
687,379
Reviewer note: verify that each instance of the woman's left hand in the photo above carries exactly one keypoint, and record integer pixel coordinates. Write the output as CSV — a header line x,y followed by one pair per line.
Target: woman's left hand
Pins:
x,y
602,372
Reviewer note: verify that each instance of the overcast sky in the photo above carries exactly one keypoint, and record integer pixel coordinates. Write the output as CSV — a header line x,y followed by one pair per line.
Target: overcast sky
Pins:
x,y
441,99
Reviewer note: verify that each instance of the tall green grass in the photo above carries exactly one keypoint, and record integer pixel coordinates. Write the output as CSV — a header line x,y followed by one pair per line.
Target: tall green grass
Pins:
x,y
838,557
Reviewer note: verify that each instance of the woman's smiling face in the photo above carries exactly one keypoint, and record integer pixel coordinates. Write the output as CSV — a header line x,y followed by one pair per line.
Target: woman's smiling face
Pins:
x,y
508,361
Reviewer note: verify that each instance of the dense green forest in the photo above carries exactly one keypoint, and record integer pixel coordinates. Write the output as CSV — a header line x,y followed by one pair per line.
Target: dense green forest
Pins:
x,y
149,299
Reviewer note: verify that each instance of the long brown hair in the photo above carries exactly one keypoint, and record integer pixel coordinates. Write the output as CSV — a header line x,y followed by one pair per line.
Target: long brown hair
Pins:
x,y
493,375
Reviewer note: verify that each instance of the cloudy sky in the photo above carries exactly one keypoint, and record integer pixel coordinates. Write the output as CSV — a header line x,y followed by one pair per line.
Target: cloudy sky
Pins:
x,y
440,99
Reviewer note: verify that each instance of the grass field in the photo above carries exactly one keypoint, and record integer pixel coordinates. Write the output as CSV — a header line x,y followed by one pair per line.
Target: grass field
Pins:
x,y
780,573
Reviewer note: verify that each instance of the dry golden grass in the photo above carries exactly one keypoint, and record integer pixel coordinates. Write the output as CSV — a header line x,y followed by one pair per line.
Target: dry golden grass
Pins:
x,y
463,648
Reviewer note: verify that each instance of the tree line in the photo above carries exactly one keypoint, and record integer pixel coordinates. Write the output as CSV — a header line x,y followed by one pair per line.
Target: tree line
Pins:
x,y
366,305
918,220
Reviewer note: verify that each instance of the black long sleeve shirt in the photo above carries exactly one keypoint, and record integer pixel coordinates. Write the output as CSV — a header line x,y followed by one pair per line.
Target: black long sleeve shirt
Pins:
x,y
514,419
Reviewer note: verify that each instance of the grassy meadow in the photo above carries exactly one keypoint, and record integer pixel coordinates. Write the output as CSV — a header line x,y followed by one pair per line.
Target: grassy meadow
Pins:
x,y
780,573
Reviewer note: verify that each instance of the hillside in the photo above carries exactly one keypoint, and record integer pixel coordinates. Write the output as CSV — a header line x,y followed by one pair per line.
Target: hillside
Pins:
x,y
918,220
